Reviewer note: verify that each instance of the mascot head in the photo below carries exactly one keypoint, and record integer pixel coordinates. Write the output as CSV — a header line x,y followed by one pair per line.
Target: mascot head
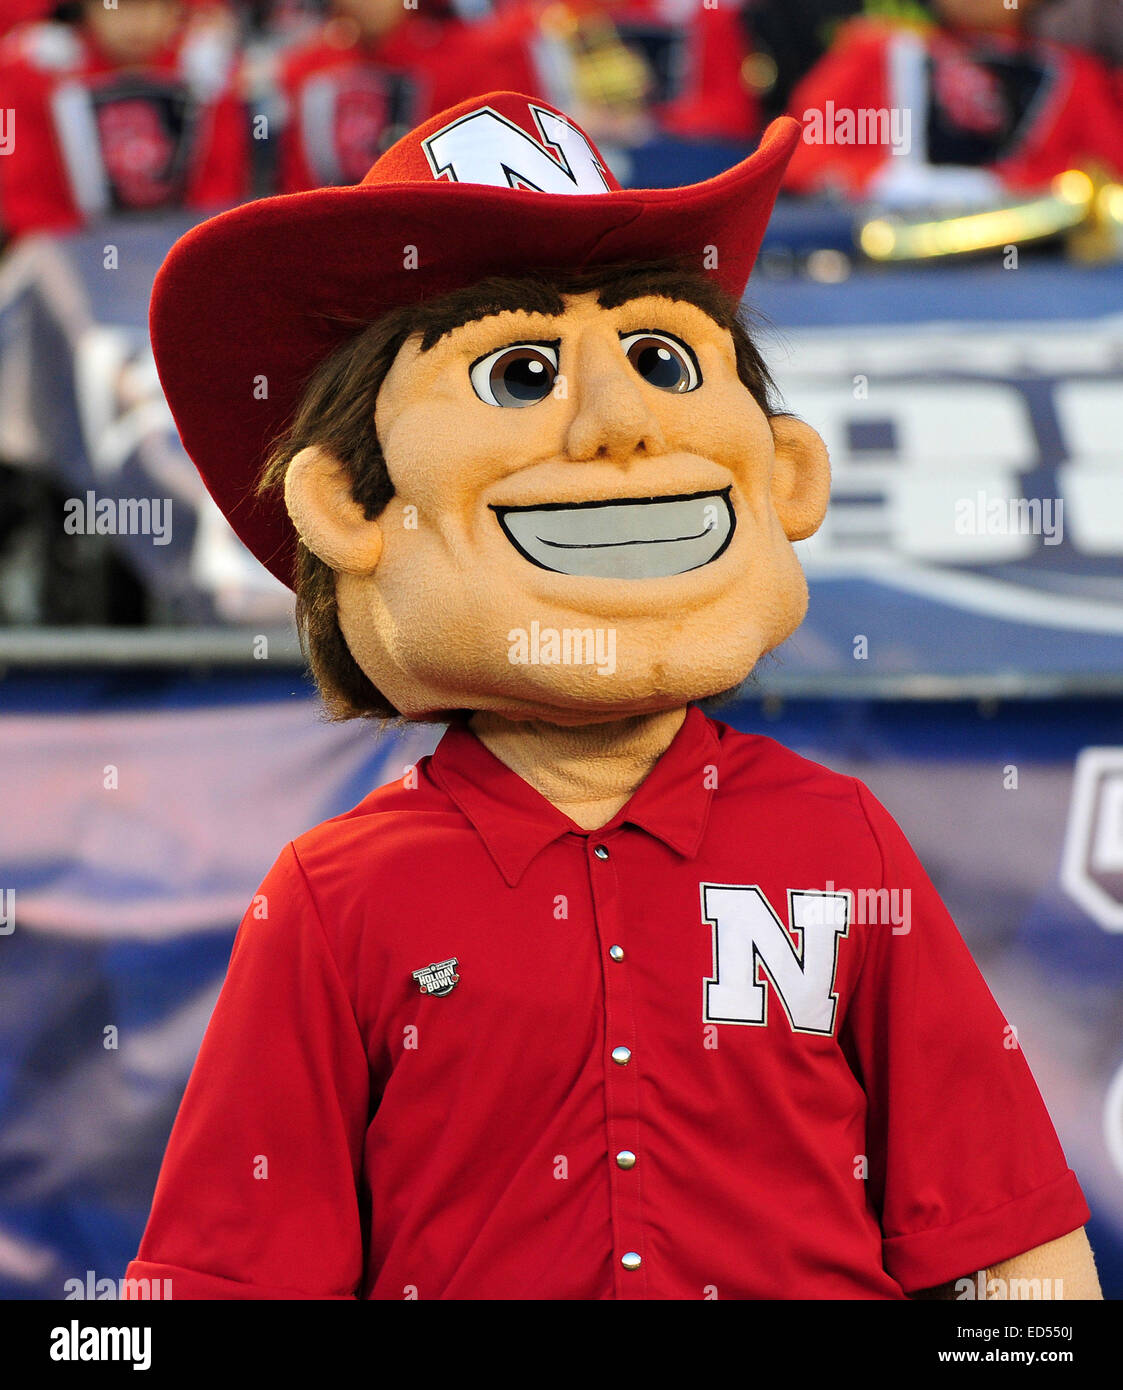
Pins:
x,y
500,423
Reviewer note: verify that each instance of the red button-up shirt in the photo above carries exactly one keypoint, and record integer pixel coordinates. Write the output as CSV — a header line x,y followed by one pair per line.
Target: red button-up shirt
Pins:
x,y
642,1083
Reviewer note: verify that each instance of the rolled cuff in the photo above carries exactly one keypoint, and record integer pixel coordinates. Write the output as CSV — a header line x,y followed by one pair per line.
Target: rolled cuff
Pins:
x,y
927,1258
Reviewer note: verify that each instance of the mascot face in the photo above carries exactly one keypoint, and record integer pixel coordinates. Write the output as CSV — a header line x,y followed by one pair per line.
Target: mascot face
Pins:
x,y
583,514
592,517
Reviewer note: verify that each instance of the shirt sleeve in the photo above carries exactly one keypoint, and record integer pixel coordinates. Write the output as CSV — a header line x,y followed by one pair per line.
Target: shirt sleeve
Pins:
x,y
965,1168
258,1194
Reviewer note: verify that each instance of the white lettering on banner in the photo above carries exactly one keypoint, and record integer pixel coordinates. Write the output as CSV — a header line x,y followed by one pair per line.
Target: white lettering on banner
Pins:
x,y
905,456
485,147
1092,859
1025,418
1090,414
749,938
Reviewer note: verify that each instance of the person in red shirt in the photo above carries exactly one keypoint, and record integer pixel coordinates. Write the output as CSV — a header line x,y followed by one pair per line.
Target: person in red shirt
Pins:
x,y
20,11
633,68
989,109
374,71
603,1000
131,109
699,55
572,1090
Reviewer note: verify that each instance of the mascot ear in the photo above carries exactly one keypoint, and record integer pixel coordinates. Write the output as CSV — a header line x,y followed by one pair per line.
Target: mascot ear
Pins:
x,y
327,518
801,478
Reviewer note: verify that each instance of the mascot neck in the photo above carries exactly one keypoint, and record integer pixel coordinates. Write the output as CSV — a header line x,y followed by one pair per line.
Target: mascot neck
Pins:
x,y
588,771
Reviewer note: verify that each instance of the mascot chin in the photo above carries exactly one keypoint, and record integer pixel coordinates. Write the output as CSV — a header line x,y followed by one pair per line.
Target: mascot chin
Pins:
x,y
604,999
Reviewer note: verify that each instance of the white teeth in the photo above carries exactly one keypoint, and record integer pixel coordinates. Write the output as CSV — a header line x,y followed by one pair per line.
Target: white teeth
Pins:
x,y
630,538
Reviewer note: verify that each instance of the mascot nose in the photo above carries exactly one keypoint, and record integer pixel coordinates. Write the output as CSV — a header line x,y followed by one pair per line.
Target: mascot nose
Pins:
x,y
613,418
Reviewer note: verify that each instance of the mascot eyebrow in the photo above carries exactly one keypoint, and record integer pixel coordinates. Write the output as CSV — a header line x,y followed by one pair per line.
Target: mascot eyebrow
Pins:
x,y
542,294
337,408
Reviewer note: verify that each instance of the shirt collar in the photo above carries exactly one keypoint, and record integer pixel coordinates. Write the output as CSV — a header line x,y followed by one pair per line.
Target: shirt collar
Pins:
x,y
516,822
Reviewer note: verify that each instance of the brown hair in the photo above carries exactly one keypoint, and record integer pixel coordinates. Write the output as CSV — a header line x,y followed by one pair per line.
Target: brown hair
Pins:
x,y
336,412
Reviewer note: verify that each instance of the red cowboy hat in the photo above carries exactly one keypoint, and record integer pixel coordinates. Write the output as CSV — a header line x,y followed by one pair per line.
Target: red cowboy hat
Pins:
x,y
252,300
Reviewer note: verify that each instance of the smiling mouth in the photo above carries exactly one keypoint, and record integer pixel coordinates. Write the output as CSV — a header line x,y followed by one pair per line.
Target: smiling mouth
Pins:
x,y
625,538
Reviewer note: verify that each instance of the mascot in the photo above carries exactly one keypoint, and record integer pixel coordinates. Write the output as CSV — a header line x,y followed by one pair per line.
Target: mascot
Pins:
x,y
604,999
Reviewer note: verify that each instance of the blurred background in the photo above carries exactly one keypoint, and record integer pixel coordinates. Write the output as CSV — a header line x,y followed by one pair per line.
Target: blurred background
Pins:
x,y
941,295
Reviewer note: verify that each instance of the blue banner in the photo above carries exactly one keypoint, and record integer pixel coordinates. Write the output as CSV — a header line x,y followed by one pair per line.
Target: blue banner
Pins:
x,y
974,419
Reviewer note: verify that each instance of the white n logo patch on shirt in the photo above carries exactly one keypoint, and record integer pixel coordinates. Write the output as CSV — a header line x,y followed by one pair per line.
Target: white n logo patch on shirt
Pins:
x,y
485,147
750,942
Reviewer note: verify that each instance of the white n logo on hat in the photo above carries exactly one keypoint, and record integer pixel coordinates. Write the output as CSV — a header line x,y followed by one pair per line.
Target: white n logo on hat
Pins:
x,y
485,147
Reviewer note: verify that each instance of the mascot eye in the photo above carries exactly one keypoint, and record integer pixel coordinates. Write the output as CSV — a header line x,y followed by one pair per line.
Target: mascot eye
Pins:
x,y
662,361
521,374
